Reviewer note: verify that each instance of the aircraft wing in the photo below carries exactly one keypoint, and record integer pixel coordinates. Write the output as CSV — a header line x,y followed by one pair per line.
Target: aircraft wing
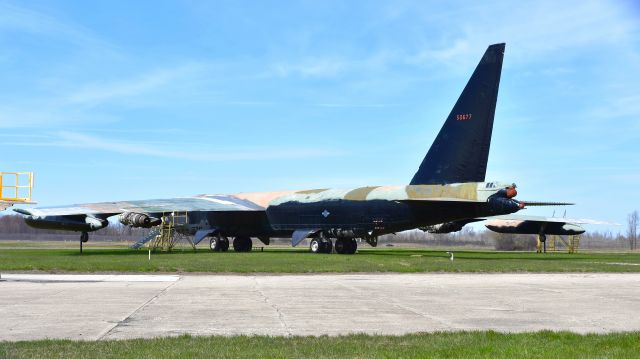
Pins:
x,y
540,225
217,203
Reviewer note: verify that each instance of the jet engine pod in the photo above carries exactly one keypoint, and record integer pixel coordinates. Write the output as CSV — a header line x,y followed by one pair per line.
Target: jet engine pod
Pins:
x,y
138,220
80,223
447,227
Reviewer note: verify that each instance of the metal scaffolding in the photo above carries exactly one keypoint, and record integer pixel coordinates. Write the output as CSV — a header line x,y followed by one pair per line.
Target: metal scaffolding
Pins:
x,y
571,243
168,235
15,187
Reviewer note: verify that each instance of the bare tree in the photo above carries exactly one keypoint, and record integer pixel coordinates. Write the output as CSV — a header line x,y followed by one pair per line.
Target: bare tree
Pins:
x,y
632,230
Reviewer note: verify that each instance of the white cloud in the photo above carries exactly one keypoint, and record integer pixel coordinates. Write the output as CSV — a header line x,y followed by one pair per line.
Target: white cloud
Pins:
x,y
21,19
98,93
69,139
309,68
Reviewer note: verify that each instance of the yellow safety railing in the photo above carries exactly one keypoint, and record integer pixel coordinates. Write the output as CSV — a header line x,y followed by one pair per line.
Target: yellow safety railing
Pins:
x,y
16,186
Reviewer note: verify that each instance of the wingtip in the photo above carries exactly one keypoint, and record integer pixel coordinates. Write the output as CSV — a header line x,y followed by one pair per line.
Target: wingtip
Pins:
x,y
22,211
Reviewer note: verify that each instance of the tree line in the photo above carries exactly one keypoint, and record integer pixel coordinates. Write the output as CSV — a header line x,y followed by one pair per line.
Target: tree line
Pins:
x,y
13,227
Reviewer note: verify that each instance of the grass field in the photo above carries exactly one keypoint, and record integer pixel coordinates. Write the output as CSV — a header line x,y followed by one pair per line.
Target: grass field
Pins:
x,y
437,345
286,260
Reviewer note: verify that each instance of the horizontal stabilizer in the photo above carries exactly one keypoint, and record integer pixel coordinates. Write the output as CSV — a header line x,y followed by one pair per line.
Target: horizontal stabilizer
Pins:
x,y
517,217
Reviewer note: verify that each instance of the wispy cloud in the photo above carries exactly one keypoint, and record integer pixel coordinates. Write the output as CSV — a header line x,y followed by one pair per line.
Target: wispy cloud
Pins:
x,y
68,139
22,19
357,105
325,67
98,93
459,48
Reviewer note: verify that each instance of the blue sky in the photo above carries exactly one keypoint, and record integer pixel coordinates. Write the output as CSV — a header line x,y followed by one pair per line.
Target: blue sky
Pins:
x,y
108,100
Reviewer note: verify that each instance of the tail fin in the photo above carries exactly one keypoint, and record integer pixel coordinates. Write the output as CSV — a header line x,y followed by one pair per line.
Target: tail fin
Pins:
x,y
461,149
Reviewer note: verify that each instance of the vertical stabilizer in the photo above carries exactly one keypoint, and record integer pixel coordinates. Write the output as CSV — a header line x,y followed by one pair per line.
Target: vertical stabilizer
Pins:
x,y
461,149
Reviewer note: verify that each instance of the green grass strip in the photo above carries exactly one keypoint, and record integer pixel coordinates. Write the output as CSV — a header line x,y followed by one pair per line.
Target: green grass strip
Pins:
x,y
274,260
487,344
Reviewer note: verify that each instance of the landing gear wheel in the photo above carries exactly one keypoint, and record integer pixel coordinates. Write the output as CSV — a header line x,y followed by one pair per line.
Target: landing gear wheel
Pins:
x,y
353,246
341,246
215,244
242,244
346,245
84,238
327,245
224,244
315,246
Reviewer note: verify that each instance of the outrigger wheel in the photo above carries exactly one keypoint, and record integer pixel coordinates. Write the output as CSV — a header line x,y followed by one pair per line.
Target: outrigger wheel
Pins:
x,y
84,238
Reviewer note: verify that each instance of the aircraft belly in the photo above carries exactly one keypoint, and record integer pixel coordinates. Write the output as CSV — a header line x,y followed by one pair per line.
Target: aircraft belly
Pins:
x,y
431,213
232,223
343,214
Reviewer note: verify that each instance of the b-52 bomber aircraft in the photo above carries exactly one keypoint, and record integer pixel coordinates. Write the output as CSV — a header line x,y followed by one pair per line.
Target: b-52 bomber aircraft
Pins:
x,y
449,186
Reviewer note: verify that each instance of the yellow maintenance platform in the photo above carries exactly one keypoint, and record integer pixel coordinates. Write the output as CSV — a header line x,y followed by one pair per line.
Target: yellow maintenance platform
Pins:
x,y
15,187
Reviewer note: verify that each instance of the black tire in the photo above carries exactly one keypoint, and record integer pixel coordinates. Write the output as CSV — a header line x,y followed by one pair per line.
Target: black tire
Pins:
x,y
224,244
341,246
84,237
327,245
242,244
315,246
352,246
215,244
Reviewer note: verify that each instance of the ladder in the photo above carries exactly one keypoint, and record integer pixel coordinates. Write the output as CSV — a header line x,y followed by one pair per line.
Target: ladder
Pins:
x,y
152,235
167,236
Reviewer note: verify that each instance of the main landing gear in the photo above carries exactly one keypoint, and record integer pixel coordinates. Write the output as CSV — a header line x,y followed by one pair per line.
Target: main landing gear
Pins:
x,y
321,244
346,246
242,244
219,243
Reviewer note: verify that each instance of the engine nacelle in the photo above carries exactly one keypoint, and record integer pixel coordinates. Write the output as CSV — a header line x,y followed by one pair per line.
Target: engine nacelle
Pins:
x,y
138,220
446,227
79,223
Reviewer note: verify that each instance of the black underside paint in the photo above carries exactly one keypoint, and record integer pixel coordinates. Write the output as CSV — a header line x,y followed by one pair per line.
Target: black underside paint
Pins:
x,y
538,227
375,217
